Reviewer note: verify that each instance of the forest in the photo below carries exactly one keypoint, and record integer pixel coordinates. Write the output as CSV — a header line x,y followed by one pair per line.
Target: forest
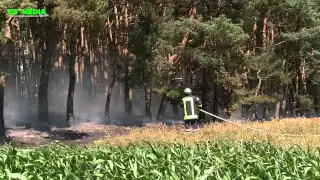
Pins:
x,y
257,54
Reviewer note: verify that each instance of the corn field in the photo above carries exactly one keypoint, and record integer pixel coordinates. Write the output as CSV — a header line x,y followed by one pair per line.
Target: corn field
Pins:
x,y
161,161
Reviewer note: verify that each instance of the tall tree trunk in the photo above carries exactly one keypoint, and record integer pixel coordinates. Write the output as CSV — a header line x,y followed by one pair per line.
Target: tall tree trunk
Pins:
x,y
264,111
50,41
92,77
44,81
254,38
296,99
22,59
107,107
26,89
254,109
127,84
81,58
127,93
8,49
61,47
277,111
18,76
316,106
204,97
162,107
61,56
147,95
291,101
2,128
72,77
174,105
265,25
215,101
88,68
9,45
114,55
114,50
36,73
15,63
284,104
259,84
34,66
95,75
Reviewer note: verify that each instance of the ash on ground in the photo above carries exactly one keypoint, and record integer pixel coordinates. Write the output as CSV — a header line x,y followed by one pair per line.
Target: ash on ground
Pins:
x,y
79,134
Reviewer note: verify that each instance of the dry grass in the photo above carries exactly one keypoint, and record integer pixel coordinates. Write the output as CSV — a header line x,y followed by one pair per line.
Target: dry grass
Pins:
x,y
308,129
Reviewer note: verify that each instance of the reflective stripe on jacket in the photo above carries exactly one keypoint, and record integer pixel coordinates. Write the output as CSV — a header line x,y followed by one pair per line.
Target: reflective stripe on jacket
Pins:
x,y
190,107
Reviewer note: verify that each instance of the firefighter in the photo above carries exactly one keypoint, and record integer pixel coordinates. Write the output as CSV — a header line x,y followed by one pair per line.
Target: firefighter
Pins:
x,y
190,104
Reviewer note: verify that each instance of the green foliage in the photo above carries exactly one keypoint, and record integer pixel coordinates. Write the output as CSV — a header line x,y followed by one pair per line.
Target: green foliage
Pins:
x,y
215,45
243,92
234,107
303,34
2,37
221,53
305,101
260,99
142,38
247,97
175,93
160,161
83,11
221,43
161,90
3,73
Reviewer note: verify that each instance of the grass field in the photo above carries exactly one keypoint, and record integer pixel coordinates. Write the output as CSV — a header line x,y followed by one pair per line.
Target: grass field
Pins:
x,y
307,131
218,151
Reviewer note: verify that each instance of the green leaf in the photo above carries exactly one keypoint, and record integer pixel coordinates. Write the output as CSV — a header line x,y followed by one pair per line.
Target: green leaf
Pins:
x,y
207,173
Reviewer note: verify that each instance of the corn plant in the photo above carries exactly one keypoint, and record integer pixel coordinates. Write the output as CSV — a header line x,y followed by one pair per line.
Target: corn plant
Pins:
x,y
159,161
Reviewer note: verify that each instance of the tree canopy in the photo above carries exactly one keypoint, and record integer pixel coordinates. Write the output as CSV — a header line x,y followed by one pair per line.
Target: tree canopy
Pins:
x,y
230,52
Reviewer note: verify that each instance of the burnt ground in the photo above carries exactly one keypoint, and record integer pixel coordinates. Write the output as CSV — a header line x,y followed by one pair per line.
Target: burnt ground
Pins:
x,y
78,135
82,134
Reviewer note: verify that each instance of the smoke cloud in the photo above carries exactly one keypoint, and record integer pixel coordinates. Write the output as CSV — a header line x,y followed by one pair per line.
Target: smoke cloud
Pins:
x,y
24,111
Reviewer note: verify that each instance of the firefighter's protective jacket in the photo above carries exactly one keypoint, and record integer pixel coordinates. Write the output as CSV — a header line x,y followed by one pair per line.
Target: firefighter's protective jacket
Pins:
x,y
190,106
